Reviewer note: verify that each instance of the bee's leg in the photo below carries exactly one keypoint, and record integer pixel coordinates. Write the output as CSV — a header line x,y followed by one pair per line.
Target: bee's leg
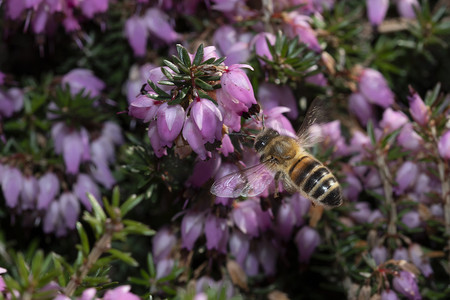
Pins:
x,y
289,186
277,185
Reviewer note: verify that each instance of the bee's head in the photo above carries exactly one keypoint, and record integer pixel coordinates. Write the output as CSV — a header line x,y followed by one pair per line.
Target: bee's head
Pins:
x,y
264,138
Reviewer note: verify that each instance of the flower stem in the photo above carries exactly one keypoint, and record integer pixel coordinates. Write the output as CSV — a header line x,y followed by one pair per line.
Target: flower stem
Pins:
x,y
101,246
386,178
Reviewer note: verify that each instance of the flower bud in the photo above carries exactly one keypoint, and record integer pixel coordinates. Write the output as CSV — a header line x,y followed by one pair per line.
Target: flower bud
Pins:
x,y
48,189
376,10
361,108
83,79
419,111
379,254
30,189
158,23
239,246
406,8
191,228
216,232
307,239
444,145
85,185
208,119
286,221
393,120
406,284
137,34
411,219
170,120
375,88
388,295
121,292
12,182
406,176
162,244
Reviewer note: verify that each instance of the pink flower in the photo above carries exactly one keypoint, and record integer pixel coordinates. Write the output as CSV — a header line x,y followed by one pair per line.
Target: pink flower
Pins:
x,y
406,176
30,189
144,108
249,218
164,267
300,206
75,150
411,219
444,145
278,122
10,102
239,246
191,228
406,8
379,254
137,78
419,111
420,259
193,136
158,24
83,79
208,119
376,10
237,91
353,187
361,108
48,189
170,120
85,185
267,256
136,33
375,88
299,25
163,243
406,284
271,95
62,214
259,43
286,220
393,120
156,141
92,7
216,232
120,293
388,295
203,171
307,239
12,182
226,147
409,139
231,45
251,265
2,282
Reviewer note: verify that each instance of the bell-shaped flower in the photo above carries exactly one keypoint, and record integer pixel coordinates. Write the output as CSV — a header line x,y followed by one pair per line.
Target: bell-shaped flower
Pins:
x,y
393,120
163,243
267,256
158,24
216,232
224,170
156,141
376,10
299,25
251,264
307,239
70,209
144,108
375,88
300,205
227,146
30,188
278,122
170,120
83,79
48,189
12,183
137,80
14,9
10,101
420,259
259,44
237,91
137,34
406,176
406,8
85,185
102,173
444,145
193,136
361,108
317,79
90,8
224,38
203,171
230,118
388,295
121,292
285,221
406,284
272,95
191,228
361,213
74,150
353,187
239,246
208,119
379,254
411,219
40,18
419,111
113,132
408,138
249,218
400,253
70,23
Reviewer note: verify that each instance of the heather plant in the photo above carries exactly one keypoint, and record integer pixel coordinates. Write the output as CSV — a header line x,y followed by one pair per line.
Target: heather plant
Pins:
x,y
152,102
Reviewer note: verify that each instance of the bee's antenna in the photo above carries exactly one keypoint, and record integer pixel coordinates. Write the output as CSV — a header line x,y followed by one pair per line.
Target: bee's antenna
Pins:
x,y
248,136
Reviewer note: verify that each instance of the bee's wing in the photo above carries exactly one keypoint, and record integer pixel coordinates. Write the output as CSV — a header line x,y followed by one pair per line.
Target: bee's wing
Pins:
x,y
247,183
310,133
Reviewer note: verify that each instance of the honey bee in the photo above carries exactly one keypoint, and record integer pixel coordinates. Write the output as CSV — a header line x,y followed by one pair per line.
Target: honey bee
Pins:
x,y
285,158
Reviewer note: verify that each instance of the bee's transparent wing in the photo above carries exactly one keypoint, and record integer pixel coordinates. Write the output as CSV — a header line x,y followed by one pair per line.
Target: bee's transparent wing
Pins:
x,y
310,132
249,182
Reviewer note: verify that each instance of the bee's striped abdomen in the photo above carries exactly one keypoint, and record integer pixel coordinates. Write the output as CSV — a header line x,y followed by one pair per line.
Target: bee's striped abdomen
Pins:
x,y
316,181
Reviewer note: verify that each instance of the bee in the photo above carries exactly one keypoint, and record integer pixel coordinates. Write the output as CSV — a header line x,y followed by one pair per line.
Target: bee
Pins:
x,y
285,158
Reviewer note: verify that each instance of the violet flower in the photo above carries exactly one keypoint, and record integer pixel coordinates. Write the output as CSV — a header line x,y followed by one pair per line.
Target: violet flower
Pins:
x,y
170,120
163,243
203,171
208,119
444,145
137,34
48,189
406,8
2,282
393,120
164,267
30,189
299,25
85,185
251,265
249,218
411,219
239,246
267,256
361,108
300,205
420,259
379,254
375,88
388,295
11,101
232,45
286,221
272,95
406,284
137,77
259,44
193,136
121,292
92,7
191,228
158,24
408,138
419,111
83,79
156,141
216,232
376,10
12,182
227,146
406,176
307,239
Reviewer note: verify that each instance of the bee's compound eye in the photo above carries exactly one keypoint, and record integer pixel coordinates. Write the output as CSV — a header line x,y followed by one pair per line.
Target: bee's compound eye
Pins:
x,y
259,145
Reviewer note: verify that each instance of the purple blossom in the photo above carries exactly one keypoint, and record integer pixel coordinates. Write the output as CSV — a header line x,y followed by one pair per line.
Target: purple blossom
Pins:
x,y
216,232
170,120
361,213
236,93
317,79
411,219
379,254
361,108
307,239
231,44
251,265
444,145
136,33
388,295
121,292
300,206
420,260
272,95
191,228
267,256
162,244
102,173
92,7
405,177
40,19
48,189
249,218
83,79
137,77
158,24
156,141
376,10
286,221
239,246
62,214
164,267
259,44
226,147
12,182
400,254
11,101
203,171
30,189
299,25
2,282
393,120
406,284
353,188
278,122
193,136
208,119
375,88
419,111
74,146
70,208
409,139
85,185
406,8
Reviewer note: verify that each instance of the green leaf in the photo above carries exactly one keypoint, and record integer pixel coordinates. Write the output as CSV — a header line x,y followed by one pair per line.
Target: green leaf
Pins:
x,y
371,132
37,264
125,257
184,55
151,266
131,202
220,60
132,226
116,196
171,65
203,85
98,211
157,89
198,56
83,239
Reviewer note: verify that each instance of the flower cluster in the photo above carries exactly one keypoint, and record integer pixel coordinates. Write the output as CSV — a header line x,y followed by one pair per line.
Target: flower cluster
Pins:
x,y
376,10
